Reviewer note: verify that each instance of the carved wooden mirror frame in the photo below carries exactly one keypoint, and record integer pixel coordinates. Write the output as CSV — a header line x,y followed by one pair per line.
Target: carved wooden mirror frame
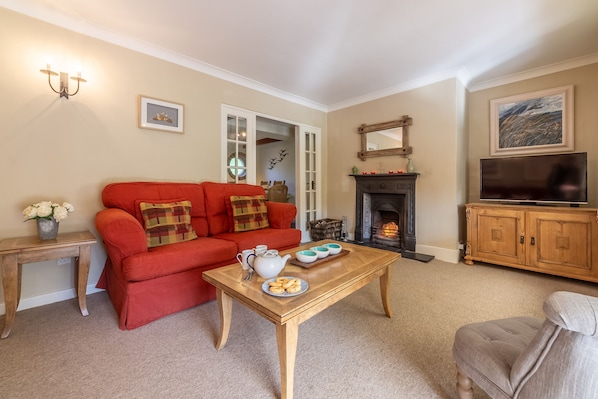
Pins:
x,y
364,129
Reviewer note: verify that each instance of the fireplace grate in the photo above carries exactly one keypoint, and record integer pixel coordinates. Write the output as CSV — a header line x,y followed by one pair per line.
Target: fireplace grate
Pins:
x,y
387,236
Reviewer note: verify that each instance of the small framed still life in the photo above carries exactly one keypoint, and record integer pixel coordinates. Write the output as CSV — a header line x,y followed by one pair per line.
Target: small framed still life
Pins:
x,y
161,115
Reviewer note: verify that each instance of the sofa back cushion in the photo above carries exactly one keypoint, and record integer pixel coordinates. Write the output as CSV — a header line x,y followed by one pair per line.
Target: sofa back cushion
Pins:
x,y
128,196
218,205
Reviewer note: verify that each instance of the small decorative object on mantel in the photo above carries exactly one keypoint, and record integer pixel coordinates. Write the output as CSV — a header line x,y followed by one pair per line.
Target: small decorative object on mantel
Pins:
x,y
355,170
48,215
410,166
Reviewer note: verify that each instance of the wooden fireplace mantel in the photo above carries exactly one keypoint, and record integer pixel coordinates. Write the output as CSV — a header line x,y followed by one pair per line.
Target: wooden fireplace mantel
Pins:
x,y
396,183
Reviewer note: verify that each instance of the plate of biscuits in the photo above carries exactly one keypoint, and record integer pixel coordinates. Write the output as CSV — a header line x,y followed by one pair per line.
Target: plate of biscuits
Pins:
x,y
285,286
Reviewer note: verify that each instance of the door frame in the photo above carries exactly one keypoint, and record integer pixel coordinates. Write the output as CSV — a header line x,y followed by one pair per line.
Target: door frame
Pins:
x,y
300,181
301,178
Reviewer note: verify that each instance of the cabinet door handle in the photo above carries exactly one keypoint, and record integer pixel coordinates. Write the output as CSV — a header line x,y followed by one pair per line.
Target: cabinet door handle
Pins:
x,y
533,241
521,240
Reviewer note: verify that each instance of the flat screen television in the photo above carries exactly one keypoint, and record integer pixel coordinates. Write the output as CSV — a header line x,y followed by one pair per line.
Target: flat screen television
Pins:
x,y
555,178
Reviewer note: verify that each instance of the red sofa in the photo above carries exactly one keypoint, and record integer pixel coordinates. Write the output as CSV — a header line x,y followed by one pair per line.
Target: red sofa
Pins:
x,y
145,284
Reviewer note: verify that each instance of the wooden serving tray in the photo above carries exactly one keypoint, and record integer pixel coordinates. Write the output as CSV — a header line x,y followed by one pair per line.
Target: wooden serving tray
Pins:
x,y
297,262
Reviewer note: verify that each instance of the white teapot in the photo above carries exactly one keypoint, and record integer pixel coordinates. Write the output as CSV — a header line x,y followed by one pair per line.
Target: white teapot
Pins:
x,y
269,264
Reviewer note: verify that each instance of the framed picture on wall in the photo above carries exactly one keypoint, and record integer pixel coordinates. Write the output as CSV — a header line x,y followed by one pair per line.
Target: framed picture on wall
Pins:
x,y
158,114
535,122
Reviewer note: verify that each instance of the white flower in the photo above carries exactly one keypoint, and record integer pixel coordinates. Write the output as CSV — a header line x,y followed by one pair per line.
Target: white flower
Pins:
x,y
30,212
44,209
48,210
69,207
60,213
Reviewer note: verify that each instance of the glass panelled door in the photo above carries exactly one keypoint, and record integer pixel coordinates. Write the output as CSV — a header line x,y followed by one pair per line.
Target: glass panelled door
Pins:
x,y
309,180
238,150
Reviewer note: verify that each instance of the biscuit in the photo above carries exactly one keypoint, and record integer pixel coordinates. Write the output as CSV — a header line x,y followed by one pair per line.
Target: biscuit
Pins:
x,y
276,290
288,284
293,289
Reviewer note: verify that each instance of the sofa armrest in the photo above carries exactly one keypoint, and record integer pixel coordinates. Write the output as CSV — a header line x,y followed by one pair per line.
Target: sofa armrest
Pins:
x,y
121,233
281,214
573,311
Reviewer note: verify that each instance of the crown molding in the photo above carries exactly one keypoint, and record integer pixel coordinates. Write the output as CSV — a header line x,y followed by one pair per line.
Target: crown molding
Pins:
x,y
537,72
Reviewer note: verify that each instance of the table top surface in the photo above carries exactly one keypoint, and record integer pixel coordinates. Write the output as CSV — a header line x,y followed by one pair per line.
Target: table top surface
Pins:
x,y
325,280
33,243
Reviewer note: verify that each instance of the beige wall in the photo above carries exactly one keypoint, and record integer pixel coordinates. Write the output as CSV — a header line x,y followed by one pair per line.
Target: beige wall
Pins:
x,y
438,138
67,150
585,81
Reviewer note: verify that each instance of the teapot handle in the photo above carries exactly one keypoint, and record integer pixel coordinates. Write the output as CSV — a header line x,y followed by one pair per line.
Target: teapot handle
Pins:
x,y
251,263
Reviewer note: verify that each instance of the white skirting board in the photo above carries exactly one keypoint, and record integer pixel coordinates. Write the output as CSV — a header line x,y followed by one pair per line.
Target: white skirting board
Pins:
x,y
46,299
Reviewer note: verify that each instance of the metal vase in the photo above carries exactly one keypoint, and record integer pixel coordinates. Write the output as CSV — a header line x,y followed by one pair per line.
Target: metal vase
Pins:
x,y
47,229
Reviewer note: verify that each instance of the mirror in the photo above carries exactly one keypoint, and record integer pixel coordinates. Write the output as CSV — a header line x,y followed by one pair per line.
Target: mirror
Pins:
x,y
384,139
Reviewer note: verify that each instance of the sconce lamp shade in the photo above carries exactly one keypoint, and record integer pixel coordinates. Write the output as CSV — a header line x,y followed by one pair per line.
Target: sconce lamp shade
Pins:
x,y
64,83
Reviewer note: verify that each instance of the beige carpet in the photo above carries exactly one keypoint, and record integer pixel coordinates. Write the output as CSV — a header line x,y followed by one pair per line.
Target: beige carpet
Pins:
x,y
351,350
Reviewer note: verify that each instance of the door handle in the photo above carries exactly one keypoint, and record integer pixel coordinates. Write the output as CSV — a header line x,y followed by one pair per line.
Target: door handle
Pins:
x,y
521,240
533,241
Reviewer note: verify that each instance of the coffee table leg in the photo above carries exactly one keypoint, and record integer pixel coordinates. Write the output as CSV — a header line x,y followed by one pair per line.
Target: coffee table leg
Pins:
x,y
385,290
225,306
286,337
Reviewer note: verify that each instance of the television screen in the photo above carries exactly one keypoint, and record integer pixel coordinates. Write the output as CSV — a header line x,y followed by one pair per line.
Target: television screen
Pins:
x,y
557,178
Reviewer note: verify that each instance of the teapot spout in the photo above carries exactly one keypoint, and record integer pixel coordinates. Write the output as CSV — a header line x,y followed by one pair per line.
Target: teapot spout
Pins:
x,y
284,259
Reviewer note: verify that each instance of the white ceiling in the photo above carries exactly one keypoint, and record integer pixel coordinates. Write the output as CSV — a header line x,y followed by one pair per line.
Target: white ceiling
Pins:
x,y
333,53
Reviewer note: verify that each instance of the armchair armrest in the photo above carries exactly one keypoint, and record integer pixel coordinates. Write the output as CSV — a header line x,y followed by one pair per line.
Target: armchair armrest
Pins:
x,y
281,214
573,311
121,233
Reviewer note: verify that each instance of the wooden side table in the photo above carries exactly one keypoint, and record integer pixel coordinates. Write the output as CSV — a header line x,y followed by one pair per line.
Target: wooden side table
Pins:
x,y
16,251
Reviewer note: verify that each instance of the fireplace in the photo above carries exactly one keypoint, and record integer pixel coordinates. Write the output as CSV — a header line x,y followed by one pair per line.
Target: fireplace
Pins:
x,y
385,210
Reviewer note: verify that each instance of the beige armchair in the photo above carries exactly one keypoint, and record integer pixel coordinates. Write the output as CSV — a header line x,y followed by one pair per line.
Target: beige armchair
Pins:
x,y
527,358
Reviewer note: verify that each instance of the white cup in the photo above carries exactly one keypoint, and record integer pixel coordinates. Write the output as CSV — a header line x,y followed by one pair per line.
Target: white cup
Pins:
x,y
243,258
260,249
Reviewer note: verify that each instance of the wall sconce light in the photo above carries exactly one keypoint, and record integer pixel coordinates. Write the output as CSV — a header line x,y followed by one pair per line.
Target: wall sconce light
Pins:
x,y
64,81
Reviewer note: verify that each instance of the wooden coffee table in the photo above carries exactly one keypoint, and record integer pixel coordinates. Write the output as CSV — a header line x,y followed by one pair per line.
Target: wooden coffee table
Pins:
x,y
328,283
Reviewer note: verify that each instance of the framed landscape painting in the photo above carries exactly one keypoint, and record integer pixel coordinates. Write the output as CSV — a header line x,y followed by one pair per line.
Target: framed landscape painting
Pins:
x,y
529,123
160,115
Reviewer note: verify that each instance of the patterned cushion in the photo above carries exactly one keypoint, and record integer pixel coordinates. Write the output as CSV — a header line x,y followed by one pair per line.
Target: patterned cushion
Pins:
x,y
249,212
167,223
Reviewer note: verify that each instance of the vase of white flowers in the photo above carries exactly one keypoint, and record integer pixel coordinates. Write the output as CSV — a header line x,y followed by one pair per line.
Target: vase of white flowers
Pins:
x,y
48,215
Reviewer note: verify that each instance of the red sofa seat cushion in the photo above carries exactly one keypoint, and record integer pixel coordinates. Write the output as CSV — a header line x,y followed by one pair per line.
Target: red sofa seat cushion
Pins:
x,y
274,238
179,257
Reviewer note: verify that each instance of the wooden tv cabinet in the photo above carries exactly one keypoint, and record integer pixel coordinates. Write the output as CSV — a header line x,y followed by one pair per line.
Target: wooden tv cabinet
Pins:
x,y
556,240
